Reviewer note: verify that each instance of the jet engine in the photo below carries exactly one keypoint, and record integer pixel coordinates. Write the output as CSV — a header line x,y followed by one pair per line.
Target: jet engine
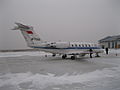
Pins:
x,y
59,45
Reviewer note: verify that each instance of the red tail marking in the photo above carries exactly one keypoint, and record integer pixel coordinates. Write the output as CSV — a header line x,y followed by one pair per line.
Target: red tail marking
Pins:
x,y
29,32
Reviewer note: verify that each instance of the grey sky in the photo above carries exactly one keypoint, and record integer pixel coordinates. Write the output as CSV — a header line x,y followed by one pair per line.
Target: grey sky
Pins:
x,y
53,20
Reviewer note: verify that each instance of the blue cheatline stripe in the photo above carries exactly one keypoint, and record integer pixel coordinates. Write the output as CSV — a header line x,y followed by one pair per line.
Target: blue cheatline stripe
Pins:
x,y
67,48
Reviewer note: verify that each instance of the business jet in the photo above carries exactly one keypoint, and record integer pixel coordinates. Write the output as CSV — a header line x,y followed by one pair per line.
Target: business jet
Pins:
x,y
73,49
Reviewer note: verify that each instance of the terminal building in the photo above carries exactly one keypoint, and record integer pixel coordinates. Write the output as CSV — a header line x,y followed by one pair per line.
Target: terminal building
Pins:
x,y
110,42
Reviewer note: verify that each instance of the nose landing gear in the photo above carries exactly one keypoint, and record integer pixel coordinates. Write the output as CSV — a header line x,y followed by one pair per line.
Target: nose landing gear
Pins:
x,y
91,52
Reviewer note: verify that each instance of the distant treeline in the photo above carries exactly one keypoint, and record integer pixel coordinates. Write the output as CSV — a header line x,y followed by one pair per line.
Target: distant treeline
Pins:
x,y
18,50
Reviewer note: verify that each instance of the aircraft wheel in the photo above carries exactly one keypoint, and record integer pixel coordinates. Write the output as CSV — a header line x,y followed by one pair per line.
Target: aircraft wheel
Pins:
x,y
73,57
64,56
97,55
90,55
54,55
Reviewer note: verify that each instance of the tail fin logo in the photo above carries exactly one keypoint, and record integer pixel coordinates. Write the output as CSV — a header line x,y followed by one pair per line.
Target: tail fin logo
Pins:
x,y
29,32
37,39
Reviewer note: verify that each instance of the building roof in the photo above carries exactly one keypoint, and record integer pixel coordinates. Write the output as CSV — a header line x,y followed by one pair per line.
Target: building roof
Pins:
x,y
110,38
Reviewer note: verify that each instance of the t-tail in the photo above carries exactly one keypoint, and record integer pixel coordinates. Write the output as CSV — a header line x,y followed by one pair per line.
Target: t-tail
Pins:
x,y
29,34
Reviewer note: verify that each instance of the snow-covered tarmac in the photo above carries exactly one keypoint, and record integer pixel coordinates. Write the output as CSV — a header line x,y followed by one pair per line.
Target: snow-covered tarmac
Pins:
x,y
33,71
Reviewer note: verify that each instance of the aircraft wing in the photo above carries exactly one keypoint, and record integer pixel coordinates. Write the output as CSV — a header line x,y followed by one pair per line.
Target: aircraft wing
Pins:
x,y
80,52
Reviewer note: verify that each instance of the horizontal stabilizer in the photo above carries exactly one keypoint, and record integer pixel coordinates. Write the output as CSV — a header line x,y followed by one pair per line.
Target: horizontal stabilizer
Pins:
x,y
21,26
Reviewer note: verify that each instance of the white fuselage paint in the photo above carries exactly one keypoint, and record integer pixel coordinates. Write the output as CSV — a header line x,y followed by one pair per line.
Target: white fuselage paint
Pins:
x,y
76,48
68,48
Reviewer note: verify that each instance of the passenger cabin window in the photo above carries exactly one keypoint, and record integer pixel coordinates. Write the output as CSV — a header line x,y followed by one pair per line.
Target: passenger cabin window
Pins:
x,y
92,45
79,45
82,45
72,45
89,45
85,45
95,45
75,45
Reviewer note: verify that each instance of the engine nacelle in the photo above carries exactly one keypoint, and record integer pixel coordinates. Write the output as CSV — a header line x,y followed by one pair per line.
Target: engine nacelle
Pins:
x,y
62,44
59,45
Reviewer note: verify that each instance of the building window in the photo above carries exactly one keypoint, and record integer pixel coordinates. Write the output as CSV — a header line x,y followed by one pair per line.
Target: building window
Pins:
x,y
116,44
108,44
113,45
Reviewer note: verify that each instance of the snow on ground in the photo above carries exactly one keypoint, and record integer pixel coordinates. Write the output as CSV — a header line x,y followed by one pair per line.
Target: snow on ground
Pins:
x,y
18,54
39,81
39,53
114,51
107,78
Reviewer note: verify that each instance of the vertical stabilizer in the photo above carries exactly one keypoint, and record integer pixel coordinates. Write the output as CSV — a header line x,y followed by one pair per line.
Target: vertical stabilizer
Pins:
x,y
29,34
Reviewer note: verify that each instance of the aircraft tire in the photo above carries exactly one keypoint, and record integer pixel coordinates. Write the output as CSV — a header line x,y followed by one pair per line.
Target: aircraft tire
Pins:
x,y
63,57
73,57
54,55
97,55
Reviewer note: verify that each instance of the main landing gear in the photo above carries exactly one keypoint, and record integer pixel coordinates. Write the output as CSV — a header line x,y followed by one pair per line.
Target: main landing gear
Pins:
x,y
64,56
97,55
91,52
54,55
73,57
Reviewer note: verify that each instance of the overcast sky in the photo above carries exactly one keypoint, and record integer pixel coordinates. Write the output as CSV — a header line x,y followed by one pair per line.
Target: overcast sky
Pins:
x,y
54,20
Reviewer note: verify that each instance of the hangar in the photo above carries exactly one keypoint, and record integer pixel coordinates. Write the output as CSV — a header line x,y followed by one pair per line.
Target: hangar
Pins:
x,y
110,42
